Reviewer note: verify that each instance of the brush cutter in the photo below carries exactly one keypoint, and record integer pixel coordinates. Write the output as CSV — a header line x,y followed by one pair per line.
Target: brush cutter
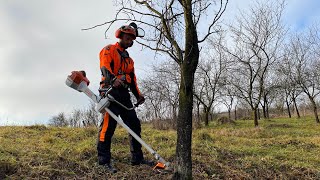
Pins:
x,y
78,81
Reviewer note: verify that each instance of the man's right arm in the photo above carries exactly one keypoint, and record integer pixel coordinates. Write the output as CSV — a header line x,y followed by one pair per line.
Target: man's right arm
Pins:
x,y
106,66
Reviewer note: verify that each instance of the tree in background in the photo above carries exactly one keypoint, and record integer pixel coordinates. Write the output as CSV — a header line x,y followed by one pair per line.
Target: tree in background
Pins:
x,y
228,98
59,120
210,75
77,118
286,82
256,38
270,90
306,66
161,89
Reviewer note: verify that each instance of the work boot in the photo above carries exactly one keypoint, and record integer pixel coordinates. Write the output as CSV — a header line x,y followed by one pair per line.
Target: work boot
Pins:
x,y
110,168
143,161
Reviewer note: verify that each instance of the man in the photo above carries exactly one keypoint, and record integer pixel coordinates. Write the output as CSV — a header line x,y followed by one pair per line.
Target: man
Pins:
x,y
119,72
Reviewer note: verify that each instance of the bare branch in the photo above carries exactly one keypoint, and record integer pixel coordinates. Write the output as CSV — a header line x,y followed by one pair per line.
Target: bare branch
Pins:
x,y
149,7
138,12
170,53
215,19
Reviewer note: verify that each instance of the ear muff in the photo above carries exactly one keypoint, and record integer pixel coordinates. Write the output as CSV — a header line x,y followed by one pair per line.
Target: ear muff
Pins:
x,y
131,44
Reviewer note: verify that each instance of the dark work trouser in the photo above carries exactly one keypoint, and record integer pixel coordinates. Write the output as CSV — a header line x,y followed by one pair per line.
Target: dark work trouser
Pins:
x,y
109,125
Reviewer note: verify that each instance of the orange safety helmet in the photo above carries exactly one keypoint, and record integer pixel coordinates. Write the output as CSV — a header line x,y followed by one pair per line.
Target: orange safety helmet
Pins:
x,y
126,29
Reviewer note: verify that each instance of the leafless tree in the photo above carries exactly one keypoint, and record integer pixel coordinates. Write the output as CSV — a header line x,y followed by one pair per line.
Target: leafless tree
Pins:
x,y
287,83
162,91
90,117
256,36
270,90
75,118
83,117
59,120
210,75
228,98
306,67
197,114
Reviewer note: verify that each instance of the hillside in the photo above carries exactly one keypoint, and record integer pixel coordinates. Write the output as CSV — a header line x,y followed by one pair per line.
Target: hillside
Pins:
x,y
280,148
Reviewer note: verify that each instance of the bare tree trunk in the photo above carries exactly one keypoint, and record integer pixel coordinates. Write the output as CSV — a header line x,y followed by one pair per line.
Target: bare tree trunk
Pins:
x,y
183,168
174,117
265,107
288,108
235,113
264,111
206,116
314,107
198,118
155,110
174,113
229,114
296,107
198,111
255,117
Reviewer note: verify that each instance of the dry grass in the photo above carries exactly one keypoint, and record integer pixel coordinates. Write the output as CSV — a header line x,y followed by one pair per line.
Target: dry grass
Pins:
x,y
278,149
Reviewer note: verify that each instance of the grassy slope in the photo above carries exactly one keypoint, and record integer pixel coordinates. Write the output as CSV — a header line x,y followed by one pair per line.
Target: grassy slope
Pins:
x,y
280,148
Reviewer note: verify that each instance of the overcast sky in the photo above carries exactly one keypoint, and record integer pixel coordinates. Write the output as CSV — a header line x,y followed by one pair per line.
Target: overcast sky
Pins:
x,y
41,42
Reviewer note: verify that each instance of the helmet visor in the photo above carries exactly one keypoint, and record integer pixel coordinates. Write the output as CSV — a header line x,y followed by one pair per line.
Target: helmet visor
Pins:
x,y
140,32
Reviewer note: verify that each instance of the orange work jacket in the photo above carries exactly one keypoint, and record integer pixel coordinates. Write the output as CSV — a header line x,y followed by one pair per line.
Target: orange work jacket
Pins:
x,y
120,65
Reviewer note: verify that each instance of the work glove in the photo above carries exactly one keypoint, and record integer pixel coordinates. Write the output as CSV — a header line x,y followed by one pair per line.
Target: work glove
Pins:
x,y
102,86
140,100
117,83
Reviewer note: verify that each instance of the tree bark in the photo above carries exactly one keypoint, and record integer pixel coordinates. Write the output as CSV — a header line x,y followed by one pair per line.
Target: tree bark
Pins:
x,y
315,111
206,116
265,107
288,109
198,119
267,111
183,168
264,111
255,117
174,113
296,107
